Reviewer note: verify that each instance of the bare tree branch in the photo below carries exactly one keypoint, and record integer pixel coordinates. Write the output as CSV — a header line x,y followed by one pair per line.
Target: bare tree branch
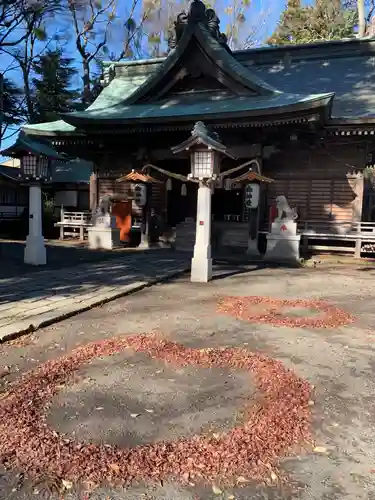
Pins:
x,y
85,20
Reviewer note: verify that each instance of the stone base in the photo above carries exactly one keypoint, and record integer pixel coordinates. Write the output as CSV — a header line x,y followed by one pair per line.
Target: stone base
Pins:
x,y
284,227
201,270
144,245
282,248
103,238
35,252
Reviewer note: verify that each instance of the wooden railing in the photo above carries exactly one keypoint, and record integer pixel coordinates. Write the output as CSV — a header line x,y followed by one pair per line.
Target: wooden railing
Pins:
x,y
335,227
76,224
73,224
359,236
8,216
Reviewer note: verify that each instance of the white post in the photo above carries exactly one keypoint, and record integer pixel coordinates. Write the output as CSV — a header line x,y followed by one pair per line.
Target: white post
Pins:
x,y
201,264
35,251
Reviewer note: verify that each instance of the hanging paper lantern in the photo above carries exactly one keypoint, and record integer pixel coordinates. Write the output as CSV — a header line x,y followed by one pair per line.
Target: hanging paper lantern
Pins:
x,y
169,184
227,184
183,190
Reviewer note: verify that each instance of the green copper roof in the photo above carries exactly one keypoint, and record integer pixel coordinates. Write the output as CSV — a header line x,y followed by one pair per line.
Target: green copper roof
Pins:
x,y
117,91
350,78
25,144
215,53
49,128
197,38
346,68
176,111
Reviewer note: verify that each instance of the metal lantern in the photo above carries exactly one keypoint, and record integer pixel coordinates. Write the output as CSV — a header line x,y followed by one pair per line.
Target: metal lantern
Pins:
x,y
204,163
34,168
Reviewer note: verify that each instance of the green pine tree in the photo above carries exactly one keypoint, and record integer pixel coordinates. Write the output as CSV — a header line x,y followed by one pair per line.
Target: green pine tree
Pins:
x,y
52,87
12,103
325,20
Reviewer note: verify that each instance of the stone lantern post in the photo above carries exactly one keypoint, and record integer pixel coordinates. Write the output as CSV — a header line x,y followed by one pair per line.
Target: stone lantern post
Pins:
x,y
35,170
205,150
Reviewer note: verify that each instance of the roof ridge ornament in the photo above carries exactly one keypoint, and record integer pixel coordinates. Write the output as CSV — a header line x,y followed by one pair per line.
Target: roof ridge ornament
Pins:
x,y
201,134
198,14
201,130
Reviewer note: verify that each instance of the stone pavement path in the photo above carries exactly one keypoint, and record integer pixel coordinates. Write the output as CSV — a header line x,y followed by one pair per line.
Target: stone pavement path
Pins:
x,y
37,299
60,254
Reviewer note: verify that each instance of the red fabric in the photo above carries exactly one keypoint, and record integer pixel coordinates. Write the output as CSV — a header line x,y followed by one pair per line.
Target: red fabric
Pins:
x,y
122,210
273,213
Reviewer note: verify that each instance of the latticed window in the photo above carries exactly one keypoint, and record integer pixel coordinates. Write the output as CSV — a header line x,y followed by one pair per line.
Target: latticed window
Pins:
x,y
29,163
35,167
43,167
203,164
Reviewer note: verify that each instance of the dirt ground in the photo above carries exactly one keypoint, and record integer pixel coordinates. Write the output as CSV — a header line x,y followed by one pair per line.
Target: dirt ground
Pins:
x,y
101,403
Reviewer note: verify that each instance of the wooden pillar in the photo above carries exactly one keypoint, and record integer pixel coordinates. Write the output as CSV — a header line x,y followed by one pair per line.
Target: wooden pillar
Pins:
x,y
146,212
62,222
262,195
357,184
93,191
358,241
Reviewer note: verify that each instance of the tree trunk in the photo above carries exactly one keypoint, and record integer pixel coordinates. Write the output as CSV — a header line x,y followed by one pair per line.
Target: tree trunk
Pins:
x,y
28,98
361,18
1,106
86,95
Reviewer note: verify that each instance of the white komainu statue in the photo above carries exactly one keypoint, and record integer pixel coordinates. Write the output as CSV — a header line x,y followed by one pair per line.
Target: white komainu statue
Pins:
x,y
284,212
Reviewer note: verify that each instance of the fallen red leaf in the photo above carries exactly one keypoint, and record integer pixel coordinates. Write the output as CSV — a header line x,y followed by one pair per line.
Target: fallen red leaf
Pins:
x,y
275,312
281,420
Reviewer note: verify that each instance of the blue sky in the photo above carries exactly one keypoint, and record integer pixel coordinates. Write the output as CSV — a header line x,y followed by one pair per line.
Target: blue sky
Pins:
x,y
272,8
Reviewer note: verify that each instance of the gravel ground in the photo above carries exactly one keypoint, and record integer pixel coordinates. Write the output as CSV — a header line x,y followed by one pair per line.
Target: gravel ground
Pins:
x,y
339,363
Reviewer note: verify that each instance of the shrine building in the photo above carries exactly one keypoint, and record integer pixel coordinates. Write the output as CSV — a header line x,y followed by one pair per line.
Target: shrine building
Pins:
x,y
306,113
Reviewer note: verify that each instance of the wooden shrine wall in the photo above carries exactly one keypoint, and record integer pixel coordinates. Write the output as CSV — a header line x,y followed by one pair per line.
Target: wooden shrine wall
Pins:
x,y
322,185
113,167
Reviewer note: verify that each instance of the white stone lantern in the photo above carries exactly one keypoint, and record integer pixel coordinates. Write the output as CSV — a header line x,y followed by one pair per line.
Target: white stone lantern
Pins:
x,y
205,151
205,163
35,170
35,158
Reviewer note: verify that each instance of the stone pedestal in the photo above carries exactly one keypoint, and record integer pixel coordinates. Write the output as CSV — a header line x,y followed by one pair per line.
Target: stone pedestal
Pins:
x,y
283,242
35,251
145,236
104,235
201,264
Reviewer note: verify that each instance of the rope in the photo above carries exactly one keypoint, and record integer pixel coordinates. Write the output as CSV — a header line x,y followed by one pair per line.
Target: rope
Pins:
x,y
179,177
232,170
183,178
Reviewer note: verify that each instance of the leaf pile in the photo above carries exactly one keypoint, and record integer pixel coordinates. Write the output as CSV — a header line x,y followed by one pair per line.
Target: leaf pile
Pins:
x,y
279,422
247,308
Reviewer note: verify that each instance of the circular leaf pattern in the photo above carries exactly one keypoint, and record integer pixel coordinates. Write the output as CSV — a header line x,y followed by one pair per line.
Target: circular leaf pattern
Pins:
x,y
278,420
278,312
